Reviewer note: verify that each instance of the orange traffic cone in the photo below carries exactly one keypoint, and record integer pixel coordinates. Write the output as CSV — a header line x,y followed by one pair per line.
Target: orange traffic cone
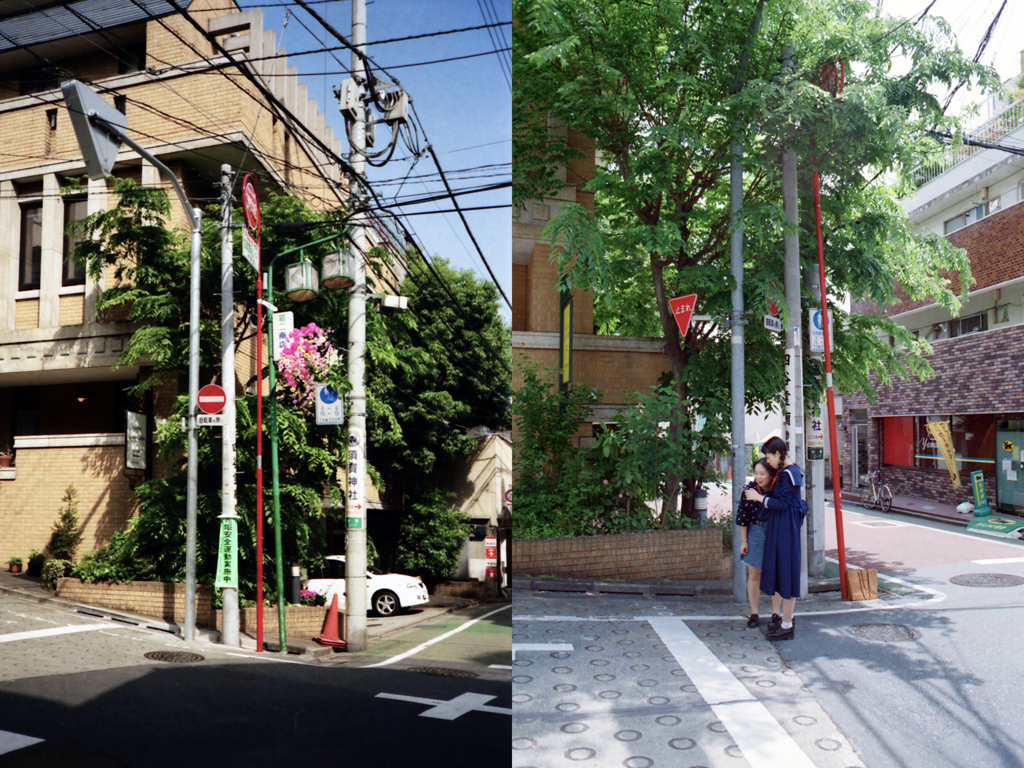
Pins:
x,y
329,634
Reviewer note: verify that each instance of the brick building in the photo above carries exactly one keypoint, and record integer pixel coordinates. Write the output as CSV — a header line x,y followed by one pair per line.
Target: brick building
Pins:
x,y
975,198
62,403
615,365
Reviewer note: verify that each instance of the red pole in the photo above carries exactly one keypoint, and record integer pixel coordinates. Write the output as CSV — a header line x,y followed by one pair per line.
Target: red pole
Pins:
x,y
840,542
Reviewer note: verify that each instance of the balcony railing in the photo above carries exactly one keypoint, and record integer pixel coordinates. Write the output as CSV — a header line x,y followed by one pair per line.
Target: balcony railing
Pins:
x,y
1005,122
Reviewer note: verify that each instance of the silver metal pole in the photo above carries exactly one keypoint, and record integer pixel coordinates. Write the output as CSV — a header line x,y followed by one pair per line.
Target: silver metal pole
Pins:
x,y
355,491
229,595
739,439
191,504
192,492
794,419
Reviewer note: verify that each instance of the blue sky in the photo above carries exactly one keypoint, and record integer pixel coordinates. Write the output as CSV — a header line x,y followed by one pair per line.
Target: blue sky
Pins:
x,y
464,106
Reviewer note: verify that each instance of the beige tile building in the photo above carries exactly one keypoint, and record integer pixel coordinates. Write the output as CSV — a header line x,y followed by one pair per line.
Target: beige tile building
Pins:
x,y
62,400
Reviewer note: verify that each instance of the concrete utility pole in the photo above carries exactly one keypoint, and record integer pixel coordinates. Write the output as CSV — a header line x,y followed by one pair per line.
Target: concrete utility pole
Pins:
x,y
815,552
229,595
355,496
793,421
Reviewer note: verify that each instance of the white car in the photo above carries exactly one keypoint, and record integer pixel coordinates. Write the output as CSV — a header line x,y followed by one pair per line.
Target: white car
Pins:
x,y
386,593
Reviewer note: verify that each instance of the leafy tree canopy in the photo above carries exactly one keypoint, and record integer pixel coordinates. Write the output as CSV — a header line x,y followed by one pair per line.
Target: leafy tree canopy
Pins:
x,y
659,88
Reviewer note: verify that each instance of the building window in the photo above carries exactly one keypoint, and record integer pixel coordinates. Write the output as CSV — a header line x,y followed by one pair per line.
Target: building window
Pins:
x,y
898,441
961,326
37,81
31,246
974,441
977,213
75,209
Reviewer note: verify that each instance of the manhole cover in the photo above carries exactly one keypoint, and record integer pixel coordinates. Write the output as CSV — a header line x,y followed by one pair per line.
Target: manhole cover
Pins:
x,y
174,657
442,672
885,633
987,580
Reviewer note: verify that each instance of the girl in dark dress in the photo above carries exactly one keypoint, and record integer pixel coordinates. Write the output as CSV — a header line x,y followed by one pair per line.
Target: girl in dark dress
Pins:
x,y
780,570
752,530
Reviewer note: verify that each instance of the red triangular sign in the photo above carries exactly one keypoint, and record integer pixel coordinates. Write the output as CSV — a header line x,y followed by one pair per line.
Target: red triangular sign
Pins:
x,y
682,311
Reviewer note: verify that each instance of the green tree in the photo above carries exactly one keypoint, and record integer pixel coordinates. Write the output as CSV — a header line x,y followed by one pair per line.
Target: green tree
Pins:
x,y
658,87
432,536
67,534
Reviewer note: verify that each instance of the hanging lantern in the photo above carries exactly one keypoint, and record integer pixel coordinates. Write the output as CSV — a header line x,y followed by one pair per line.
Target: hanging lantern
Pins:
x,y
338,270
302,282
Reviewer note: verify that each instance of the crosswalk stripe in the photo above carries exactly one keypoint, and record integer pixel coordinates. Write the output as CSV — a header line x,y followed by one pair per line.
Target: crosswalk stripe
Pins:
x,y
9,742
34,633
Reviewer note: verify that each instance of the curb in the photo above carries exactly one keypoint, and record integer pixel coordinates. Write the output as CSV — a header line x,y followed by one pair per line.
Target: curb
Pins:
x,y
698,589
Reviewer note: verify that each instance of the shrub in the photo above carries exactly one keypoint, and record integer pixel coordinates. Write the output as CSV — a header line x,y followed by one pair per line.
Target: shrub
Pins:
x,y
53,570
432,537
66,534
35,563
116,562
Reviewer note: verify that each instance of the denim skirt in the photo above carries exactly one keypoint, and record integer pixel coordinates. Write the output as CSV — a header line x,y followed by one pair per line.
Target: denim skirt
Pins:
x,y
755,546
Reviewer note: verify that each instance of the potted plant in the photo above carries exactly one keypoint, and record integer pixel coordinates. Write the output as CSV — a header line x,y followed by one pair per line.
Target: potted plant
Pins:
x,y
6,457
14,565
35,563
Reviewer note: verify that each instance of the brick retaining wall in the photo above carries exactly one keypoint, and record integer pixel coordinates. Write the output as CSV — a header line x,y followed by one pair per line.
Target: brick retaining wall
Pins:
x,y
691,554
166,601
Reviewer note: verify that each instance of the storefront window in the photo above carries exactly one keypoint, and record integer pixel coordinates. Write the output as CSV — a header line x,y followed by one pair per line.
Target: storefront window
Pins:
x,y
974,439
927,454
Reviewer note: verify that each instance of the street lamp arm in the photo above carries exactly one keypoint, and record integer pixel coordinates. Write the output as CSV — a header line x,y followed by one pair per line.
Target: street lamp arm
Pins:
x,y
117,131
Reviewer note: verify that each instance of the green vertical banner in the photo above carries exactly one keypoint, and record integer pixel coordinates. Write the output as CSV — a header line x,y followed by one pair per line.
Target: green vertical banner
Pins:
x,y
227,554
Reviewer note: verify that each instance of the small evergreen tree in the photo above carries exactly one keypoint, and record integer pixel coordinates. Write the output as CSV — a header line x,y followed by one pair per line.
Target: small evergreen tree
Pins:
x,y
66,534
432,536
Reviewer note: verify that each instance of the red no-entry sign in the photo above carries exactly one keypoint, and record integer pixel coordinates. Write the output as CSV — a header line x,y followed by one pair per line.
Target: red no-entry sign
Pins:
x,y
212,399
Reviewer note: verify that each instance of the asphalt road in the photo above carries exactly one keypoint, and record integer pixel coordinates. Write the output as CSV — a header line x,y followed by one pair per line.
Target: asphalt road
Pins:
x,y
85,689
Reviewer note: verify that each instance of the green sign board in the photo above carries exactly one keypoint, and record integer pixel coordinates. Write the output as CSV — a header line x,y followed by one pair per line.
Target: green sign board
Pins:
x,y
980,499
227,554
354,523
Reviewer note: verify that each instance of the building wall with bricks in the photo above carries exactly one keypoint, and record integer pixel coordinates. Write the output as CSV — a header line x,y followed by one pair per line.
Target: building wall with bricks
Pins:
x,y
62,379
973,373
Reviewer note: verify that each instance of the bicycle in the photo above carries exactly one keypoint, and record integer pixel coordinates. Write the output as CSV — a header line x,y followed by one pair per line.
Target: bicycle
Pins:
x,y
878,493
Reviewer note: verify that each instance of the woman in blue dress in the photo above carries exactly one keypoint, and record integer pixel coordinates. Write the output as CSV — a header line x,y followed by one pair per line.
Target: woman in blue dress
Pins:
x,y
780,569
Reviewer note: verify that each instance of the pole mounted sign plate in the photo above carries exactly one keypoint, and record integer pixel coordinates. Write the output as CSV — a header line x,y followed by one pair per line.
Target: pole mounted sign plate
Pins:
x,y
682,311
251,207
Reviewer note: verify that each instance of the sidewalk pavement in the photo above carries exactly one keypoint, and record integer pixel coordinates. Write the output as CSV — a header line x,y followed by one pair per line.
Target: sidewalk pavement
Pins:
x,y
378,628
720,502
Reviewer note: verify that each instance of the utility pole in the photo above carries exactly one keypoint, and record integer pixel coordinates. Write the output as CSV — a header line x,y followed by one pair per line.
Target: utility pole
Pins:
x,y
815,552
355,495
793,421
229,516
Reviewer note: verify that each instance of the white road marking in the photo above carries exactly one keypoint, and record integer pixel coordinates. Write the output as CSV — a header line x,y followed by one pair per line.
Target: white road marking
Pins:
x,y
9,742
999,561
763,742
549,647
32,634
438,639
499,666
449,710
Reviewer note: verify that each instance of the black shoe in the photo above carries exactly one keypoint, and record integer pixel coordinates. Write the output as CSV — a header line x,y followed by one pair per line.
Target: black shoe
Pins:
x,y
781,634
775,622
754,620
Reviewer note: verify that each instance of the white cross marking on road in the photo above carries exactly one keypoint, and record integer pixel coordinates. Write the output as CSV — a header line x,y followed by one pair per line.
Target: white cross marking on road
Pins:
x,y
549,647
449,710
9,742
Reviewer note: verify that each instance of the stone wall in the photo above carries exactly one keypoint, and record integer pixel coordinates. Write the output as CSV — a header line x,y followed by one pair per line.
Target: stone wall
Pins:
x,y
691,554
